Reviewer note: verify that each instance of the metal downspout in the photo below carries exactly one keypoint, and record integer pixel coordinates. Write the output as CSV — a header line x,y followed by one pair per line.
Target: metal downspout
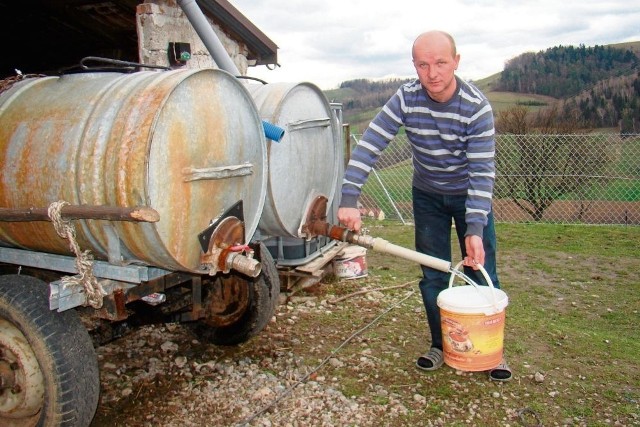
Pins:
x,y
208,36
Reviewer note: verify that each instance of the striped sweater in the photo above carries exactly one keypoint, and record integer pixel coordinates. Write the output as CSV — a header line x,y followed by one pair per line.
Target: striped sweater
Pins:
x,y
452,144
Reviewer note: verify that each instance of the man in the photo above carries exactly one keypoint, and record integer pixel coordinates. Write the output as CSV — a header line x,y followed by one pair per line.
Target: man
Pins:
x,y
449,124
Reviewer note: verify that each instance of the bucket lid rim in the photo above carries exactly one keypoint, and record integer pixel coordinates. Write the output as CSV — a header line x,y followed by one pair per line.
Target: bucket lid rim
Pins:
x,y
472,305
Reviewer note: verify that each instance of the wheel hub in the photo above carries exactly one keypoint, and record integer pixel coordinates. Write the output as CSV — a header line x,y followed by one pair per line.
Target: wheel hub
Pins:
x,y
227,301
21,382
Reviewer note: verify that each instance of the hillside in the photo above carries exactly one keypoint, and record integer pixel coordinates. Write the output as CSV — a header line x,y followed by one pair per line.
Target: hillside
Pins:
x,y
361,99
600,85
565,71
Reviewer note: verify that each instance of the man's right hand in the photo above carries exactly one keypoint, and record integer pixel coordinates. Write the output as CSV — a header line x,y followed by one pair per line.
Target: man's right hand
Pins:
x,y
350,218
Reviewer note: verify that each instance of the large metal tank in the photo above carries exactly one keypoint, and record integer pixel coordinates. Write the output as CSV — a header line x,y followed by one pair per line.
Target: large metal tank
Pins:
x,y
151,139
304,164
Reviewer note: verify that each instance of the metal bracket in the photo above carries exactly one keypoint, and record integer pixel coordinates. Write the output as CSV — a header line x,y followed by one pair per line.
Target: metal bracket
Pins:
x,y
205,236
63,297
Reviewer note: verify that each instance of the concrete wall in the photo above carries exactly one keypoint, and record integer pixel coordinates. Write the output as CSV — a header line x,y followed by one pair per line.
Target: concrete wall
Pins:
x,y
162,21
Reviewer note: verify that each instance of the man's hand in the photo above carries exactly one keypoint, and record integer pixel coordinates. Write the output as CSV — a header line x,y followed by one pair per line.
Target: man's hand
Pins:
x,y
475,252
350,217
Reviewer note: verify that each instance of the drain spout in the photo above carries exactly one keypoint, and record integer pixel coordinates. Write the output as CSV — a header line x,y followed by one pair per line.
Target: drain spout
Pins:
x,y
208,36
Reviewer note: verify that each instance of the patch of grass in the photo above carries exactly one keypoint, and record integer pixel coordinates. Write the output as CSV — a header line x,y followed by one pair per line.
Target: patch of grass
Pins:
x,y
605,241
351,387
501,101
574,300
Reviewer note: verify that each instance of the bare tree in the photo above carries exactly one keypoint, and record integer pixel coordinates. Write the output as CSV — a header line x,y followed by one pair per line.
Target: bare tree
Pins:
x,y
513,120
551,160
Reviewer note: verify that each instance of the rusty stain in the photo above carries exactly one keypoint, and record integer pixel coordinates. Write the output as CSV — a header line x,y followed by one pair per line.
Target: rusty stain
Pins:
x,y
94,135
222,264
120,300
113,307
228,233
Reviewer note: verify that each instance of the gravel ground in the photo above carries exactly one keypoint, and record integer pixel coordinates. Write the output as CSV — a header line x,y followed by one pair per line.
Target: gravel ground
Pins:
x,y
201,384
315,364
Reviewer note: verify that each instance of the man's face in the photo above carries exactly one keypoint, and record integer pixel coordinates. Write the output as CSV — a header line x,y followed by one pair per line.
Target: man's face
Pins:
x,y
435,64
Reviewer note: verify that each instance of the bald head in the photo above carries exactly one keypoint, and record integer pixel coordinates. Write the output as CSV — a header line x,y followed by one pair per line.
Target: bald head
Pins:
x,y
436,60
428,38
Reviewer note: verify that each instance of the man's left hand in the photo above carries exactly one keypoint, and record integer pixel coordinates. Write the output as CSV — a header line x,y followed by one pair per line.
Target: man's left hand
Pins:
x,y
475,252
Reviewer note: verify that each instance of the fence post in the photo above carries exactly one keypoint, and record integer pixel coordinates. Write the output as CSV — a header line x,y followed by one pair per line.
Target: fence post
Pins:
x,y
388,195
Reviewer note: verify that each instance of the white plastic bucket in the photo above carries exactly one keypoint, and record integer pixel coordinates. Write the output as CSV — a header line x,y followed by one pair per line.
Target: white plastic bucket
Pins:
x,y
472,321
351,263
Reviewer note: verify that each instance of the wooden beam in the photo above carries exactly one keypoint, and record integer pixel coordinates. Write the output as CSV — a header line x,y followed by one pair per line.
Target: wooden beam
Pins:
x,y
107,213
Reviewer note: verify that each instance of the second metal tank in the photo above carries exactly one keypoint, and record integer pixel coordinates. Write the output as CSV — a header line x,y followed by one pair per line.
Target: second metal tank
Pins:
x,y
304,164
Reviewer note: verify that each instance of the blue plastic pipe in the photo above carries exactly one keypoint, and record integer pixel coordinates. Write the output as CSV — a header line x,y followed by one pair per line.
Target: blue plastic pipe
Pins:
x,y
273,132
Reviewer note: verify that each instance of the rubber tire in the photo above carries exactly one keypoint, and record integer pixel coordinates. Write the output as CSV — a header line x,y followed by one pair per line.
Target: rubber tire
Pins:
x,y
62,347
265,296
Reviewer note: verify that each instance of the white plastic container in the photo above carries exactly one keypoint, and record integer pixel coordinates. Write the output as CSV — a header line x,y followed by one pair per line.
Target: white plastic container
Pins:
x,y
472,320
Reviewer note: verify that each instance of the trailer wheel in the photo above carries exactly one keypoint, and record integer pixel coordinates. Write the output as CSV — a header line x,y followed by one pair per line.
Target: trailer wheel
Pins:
x,y
255,302
48,367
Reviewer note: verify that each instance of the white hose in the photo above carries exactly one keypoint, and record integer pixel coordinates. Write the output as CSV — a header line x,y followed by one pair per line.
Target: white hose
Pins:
x,y
382,245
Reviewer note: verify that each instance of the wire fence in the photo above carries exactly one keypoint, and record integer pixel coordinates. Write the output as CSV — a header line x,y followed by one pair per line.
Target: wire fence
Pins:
x,y
578,178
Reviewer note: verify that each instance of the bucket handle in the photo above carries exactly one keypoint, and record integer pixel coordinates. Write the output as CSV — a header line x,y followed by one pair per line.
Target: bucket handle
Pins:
x,y
457,272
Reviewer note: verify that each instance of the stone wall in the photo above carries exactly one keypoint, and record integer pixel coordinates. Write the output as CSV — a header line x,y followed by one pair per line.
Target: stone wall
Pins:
x,y
163,21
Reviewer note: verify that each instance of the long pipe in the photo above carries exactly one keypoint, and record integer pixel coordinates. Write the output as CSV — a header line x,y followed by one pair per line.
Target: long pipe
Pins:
x,y
208,36
335,232
316,225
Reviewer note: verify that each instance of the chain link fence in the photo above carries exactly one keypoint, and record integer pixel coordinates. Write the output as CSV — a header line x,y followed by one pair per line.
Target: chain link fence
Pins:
x,y
580,178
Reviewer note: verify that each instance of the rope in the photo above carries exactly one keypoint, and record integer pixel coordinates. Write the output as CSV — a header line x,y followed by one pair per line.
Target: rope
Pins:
x,y
6,84
84,260
288,391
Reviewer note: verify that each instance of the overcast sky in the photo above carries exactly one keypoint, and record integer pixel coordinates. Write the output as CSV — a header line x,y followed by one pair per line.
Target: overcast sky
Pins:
x,y
329,41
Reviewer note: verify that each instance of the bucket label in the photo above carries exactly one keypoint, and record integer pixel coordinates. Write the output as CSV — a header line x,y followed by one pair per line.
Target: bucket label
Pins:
x,y
472,342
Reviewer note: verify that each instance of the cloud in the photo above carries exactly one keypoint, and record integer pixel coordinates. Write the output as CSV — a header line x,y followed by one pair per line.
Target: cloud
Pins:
x,y
328,42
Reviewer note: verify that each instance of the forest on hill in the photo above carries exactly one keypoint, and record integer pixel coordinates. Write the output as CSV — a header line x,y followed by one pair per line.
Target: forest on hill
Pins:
x,y
598,85
367,94
565,71
595,87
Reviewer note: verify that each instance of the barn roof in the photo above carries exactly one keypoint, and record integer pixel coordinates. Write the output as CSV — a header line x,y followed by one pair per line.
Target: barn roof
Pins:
x,y
46,35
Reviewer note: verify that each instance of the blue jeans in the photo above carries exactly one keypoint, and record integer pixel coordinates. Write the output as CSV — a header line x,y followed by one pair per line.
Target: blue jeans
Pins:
x,y
433,214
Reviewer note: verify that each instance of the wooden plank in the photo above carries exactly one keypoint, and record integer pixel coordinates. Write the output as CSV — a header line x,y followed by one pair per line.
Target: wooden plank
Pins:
x,y
313,267
108,213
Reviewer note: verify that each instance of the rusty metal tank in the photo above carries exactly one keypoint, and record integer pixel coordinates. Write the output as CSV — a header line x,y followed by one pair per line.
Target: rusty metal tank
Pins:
x,y
188,144
304,164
